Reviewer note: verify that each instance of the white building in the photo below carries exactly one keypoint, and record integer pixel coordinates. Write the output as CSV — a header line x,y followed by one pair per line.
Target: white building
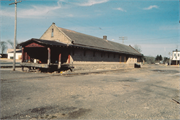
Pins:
x,y
175,58
10,53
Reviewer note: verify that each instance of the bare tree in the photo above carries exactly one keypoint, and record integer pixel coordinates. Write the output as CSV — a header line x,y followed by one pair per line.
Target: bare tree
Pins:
x,y
18,46
11,43
3,46
138,48
149,59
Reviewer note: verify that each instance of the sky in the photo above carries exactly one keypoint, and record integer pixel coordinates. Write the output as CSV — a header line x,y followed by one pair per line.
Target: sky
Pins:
x,y
153,25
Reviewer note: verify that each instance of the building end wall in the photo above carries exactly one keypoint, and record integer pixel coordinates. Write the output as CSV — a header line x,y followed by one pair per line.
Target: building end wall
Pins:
x,y
53,33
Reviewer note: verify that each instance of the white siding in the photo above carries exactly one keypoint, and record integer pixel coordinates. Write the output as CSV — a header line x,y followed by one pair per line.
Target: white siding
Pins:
x,y
176,56
18,55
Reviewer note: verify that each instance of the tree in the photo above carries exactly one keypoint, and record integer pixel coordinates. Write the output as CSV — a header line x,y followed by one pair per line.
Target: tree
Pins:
x,y
149,59
158,58
11,43
143,58
3,46
166,60
138,48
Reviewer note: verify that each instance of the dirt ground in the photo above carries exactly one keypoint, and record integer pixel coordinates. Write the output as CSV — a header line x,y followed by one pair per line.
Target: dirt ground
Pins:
x,y
151,92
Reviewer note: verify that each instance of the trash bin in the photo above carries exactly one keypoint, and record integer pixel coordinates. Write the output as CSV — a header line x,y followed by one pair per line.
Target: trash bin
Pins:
x,y
137,65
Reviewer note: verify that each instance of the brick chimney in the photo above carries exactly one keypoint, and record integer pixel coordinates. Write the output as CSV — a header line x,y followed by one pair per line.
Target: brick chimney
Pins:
x,y
105,37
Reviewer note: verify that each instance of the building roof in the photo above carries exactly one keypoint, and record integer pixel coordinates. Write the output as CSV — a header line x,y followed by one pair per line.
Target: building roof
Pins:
x,y
98,43
176,50
43,42
87,41
12,50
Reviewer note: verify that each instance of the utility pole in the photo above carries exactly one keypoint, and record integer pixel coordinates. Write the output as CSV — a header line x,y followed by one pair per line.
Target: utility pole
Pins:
x,y
176,56
15,29
122,38
169,58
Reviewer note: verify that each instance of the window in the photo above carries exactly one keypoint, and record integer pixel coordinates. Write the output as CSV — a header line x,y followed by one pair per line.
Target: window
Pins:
x,y
94,53
72,52
52,33
122,58
101,54
84,53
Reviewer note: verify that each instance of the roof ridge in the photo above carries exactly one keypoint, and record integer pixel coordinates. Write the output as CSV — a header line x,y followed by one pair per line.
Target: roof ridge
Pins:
x,y
82,33
93,36
134,49
84,39
118,43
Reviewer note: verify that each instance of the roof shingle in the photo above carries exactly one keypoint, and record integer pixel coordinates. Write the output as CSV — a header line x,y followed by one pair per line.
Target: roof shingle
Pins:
x,y
95,42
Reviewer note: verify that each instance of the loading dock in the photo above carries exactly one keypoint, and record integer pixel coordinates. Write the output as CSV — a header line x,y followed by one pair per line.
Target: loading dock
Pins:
x,y
44,54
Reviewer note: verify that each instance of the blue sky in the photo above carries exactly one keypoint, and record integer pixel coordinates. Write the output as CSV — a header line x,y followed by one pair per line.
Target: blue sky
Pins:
x,y
151,24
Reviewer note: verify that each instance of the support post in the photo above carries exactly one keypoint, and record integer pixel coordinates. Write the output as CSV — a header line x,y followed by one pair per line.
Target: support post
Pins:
x,y
49,56
59,64
120,59
68,58
29,58
22,54
26,59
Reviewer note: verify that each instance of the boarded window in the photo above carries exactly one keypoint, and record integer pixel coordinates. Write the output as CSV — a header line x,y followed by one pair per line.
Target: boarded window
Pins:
x,y
138,59
127,57
101,54
84,53
94,53
122,58
72,52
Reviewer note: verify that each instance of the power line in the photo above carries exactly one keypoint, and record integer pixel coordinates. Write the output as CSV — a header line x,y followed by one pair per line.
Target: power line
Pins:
x,y
122,38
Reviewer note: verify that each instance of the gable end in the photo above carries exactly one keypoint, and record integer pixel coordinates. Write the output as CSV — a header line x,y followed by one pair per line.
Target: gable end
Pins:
x,y
53,33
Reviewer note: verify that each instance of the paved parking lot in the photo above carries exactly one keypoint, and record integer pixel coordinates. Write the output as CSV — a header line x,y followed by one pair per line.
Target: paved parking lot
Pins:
x,y
151,92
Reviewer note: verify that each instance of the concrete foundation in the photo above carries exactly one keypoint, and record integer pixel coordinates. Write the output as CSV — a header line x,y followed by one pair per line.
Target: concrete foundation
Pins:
x,y
100,66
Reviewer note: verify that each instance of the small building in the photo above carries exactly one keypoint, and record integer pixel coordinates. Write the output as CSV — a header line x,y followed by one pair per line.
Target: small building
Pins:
x,y
175,58
60,46
10,53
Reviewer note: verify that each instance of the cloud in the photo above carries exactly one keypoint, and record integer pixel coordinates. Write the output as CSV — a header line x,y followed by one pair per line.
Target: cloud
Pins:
x,y
92,2
7,13
121,9
37,11
151,7
32,12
